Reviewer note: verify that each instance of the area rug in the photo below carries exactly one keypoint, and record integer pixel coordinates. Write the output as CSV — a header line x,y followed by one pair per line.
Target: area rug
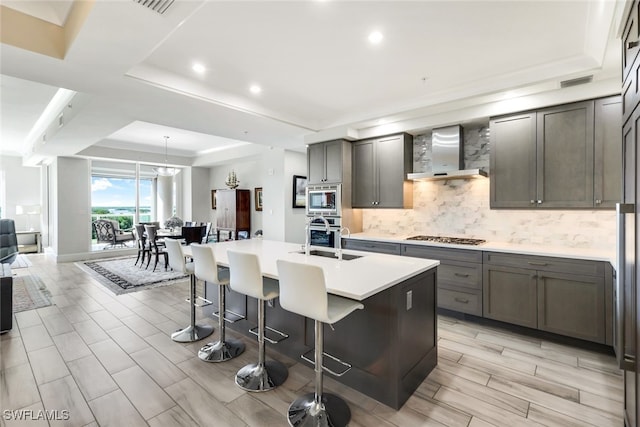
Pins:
x,y
21,261
120,276
29,292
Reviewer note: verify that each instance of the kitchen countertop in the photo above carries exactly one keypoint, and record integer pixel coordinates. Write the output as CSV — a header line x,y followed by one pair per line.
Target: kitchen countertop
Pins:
x,y
356,279
606,255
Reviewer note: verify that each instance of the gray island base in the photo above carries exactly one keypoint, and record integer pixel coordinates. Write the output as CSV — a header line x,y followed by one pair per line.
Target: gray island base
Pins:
x,y
391,343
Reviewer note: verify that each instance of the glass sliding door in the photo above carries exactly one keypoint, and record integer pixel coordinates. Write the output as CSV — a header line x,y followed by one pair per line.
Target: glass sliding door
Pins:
x,y
147,206
113,195
129,193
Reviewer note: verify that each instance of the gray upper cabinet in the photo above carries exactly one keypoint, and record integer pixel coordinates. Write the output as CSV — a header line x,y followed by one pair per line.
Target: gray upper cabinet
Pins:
x,y
326,161
513,161
380,167
607,185
565,156
545,158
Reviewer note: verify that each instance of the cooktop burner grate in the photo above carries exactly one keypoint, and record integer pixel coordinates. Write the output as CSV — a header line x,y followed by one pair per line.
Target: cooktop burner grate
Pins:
x,y
452,240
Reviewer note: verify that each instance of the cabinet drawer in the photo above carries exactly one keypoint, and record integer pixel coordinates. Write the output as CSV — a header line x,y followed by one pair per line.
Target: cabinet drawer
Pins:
x,y
371,246
559,265
466,276
463,302
442,254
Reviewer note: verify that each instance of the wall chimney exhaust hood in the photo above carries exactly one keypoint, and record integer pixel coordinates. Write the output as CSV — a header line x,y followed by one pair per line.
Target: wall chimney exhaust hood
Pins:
x,y
447,156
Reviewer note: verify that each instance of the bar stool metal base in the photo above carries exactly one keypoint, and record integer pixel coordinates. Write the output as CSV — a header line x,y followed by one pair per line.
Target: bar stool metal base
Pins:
x,y
333,412
221,351
192,333
254,377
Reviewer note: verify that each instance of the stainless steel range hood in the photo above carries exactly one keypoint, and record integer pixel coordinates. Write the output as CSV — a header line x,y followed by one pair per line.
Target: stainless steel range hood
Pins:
x,y
447,150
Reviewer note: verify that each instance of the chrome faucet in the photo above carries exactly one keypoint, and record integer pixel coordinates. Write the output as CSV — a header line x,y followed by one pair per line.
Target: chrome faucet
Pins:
x,y
339,249
307,233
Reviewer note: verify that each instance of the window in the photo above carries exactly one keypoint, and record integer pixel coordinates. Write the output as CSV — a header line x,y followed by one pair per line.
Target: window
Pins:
x,y
125,192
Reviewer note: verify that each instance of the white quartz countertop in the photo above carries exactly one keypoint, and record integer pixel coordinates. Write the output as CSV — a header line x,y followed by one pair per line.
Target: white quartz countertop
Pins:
x,y
356,279
604,254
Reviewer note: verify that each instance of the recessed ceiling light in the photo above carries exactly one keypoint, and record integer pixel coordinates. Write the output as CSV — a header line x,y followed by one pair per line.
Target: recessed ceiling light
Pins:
x,y
255,89
375,37
198,68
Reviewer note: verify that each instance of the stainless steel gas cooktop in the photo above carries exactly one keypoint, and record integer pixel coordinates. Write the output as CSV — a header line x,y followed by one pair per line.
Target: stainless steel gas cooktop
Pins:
x,y
452,240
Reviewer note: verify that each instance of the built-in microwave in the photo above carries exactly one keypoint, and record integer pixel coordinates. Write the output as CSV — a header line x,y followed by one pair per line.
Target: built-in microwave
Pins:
x,y
324,200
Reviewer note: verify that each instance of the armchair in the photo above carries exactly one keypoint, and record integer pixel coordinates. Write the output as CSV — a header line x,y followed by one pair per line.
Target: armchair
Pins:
x,y
8,241
108,231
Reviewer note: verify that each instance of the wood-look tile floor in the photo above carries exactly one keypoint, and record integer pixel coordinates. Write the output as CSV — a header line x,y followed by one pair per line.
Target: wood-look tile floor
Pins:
x,y
108,360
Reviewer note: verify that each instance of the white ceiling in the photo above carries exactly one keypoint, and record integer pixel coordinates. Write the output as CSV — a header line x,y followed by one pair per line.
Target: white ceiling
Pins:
x,y
320,77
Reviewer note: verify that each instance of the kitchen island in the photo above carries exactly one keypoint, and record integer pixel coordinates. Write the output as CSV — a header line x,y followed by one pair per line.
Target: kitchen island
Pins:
x,y
391,343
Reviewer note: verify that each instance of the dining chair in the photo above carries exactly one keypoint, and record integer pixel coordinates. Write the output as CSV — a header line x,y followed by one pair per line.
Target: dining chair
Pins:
x,y
155,247
141,241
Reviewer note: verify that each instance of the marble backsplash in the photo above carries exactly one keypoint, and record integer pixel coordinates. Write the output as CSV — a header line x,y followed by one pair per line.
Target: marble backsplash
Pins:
x,y
461,208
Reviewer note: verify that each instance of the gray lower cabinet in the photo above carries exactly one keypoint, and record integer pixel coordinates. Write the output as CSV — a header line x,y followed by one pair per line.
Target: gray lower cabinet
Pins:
x,y
571,305
569,297
563,296
371,246
459,276
509,295
380,168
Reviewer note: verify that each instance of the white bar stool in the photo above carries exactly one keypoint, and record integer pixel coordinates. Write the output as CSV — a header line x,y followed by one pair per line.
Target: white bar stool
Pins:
x,y
176,260
246,278
206,269
303,291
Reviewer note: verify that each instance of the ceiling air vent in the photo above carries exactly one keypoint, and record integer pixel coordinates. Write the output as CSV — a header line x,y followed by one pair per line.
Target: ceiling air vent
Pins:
x,y
159,6
576,82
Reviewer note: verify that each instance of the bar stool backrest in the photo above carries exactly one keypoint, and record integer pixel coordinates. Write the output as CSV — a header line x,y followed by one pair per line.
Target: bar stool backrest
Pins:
x,y
204,262
303,290
245,275
176,256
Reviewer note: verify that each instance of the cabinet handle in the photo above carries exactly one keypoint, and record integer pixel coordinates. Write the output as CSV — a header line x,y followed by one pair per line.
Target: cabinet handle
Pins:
x,y
598,201
539,202
461,274
462,300
533,202
541,264
631,45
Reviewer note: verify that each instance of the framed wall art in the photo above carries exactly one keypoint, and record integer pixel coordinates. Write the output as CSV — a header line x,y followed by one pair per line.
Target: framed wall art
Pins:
x,y
257,193
299,187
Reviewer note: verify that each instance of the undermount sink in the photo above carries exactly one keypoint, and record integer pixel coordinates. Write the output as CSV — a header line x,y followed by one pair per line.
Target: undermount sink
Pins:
x,y
329,254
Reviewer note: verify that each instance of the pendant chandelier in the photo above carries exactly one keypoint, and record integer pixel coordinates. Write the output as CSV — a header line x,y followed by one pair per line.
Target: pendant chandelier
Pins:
x,y
166,170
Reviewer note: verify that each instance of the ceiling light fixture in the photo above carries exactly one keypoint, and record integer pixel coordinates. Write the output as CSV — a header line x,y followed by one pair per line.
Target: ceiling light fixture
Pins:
x,y
166,170
255,89
198,68
375,37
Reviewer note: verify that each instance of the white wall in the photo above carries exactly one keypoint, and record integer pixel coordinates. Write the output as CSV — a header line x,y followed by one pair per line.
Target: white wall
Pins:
x,y
20,185
295,164
200,193
273,170
249,174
